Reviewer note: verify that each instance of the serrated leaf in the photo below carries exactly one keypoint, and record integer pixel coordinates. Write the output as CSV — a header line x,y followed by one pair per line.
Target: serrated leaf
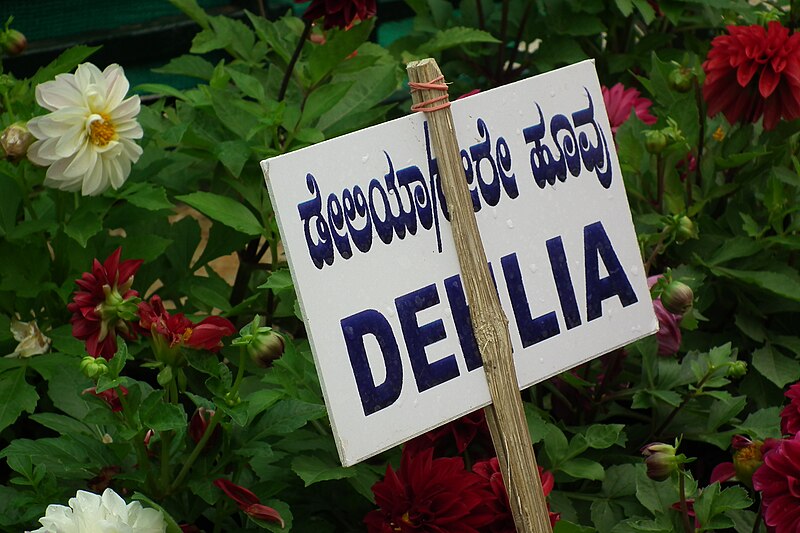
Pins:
x,y
224,210
160,89
762,424
188,65
339,45
83,226
147,196
66,62
775,282
452,37
278,281
602,436
233,154
313,469
775,366
16,396
61,423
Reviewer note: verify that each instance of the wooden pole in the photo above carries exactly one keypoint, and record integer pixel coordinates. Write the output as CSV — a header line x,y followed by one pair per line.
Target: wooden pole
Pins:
x,y
505,416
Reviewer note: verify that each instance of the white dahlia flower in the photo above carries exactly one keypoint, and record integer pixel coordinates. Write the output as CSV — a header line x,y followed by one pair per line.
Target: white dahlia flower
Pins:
x,y
87,140
91,513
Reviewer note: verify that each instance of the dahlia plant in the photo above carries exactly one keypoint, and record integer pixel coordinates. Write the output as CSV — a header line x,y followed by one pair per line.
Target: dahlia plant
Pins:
x,y
157,375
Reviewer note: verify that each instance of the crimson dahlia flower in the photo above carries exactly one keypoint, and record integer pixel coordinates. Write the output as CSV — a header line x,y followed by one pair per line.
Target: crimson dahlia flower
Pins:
x,y
621,101
104,304
171,332
754,71
339,13
430,495
504,521
461,432
778,479
790,416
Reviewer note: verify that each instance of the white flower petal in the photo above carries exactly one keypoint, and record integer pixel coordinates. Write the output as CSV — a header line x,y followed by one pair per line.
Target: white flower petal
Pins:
x,y
71,141
117,85
43,152
94,182
126,110
53,95
83,162
55,177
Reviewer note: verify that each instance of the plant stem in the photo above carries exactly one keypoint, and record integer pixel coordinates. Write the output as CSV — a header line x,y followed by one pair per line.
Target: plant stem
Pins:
x,y
501,53
660,164
687,525
196,451
295,56
686,399
701,138
759,514
517,40
656,250
138,440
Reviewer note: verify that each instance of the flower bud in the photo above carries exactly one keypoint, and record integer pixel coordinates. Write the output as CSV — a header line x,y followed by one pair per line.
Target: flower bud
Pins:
x,y
685,229
199,424
680,79
660,460
677,297
737,369
266,347
93,367
13,42
655,141
15,141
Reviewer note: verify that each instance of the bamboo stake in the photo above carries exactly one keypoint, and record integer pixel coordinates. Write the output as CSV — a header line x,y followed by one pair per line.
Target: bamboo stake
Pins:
x,y
505,415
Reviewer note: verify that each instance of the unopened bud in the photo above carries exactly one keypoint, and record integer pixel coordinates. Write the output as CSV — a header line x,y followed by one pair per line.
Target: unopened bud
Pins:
x,y
680,79
737,369
677,297
93,367
198,425
655,141
13,42
661,460
685,229
15,141
266,347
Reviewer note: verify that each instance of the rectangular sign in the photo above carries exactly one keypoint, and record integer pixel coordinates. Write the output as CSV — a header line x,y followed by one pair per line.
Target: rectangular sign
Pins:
x,y
366,233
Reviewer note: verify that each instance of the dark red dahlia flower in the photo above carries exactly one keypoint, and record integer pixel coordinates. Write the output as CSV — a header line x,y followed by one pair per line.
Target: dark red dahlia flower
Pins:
x,y
339,13
778,479
790,416
171,332
104,304
248,502
621,101
461,432
430,495
754,71
503,519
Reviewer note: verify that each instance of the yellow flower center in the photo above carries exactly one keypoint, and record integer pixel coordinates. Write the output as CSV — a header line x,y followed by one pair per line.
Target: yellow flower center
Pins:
x,y
102,131
719,134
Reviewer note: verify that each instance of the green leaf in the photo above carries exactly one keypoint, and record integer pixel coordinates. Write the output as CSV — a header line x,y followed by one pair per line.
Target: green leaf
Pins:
x,y
656,496
322,99
278,281
582,468
602,436
160,89
83,226
224,210
16,396
313,469
341,44
452,37
147,196
762,424
66,62
711,504
158,415
776,367
775,282
233,154
61,423
188,65
289,415
625,6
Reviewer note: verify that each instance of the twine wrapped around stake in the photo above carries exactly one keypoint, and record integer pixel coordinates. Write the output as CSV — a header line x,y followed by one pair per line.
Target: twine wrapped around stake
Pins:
x,y
505,415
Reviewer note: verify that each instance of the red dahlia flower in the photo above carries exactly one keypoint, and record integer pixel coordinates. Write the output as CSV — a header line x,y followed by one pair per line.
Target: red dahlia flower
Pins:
x,y
104,304
462,432
339,13
778,479
504,521
171,332
110,396
431,495
621,101
790,416
248,502
754,71
747,457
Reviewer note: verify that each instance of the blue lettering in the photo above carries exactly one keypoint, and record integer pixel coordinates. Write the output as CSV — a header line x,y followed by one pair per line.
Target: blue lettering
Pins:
x,y
566,292
531,330
417,337
371,322
596,244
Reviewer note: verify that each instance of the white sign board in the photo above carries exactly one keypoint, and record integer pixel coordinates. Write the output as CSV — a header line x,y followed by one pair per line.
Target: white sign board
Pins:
x,y
366,233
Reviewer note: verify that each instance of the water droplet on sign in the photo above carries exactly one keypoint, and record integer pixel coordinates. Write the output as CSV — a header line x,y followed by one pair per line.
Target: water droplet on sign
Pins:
x,y
510,223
